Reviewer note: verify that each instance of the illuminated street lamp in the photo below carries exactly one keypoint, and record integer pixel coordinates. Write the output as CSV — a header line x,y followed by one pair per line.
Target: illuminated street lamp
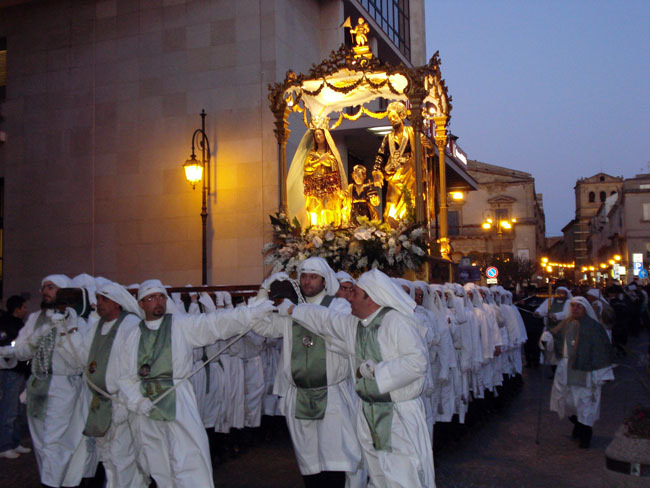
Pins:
x,y
617,257
196,171
500,225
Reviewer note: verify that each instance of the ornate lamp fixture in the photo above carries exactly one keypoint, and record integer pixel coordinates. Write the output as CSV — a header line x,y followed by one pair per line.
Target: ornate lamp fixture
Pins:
x,y
196,171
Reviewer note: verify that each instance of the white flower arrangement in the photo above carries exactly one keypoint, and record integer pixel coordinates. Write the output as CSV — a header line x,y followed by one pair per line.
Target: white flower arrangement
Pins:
x,y
372,244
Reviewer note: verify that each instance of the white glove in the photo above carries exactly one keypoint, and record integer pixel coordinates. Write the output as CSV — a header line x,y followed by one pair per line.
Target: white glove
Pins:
x,y
144,406
285,307
120,414
219,296
261,310
367,369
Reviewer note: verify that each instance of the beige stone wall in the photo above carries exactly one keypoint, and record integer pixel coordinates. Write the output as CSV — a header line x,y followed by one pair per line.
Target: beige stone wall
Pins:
x,y
103,98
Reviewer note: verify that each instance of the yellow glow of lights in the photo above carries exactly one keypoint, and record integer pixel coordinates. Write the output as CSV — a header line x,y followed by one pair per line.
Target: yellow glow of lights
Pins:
x,y
457,195
487,225
617,257
193,170
505,224
591,268
611,261
603,265
489,221
544,260
514,220
549,269
584,268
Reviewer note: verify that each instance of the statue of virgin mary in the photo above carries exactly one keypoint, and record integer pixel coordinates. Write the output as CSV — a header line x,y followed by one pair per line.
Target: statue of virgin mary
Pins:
x,y
316,179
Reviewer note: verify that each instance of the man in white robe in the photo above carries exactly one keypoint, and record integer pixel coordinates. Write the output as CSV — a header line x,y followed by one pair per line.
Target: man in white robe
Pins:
x,y
56,402
173,446
99,353
584,367
388,360
346,282
319,400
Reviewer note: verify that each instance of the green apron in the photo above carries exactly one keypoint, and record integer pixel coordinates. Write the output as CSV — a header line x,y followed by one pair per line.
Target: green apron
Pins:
x,y
309,370
377,407
155,368
38,387
101,408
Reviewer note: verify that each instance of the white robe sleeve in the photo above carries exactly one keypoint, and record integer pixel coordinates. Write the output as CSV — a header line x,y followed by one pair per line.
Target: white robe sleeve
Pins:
x,y
24,351
542,310
404,353
272,325
208,328
76,346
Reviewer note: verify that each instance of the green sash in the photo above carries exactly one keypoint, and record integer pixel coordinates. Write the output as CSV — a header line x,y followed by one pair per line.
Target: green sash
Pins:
x,y
309,370
101,408
377,407
155,368
38,384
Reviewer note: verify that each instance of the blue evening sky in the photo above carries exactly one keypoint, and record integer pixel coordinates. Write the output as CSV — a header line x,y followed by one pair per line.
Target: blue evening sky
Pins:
x,y
557,88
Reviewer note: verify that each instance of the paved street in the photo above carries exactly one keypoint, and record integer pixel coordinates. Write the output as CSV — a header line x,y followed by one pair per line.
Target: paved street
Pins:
x,y
501,454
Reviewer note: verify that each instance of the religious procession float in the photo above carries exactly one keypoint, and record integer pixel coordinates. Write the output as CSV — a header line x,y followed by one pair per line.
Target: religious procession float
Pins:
x,y
389,214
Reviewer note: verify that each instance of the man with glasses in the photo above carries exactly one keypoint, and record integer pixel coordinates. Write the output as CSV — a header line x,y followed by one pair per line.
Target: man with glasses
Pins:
x,y
156,358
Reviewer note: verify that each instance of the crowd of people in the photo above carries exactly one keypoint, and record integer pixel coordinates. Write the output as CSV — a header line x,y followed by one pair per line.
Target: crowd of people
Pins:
x,y
366,372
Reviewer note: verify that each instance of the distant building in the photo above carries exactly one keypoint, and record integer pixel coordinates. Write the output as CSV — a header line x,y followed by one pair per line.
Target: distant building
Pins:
x,y
590,194
506,201
621,226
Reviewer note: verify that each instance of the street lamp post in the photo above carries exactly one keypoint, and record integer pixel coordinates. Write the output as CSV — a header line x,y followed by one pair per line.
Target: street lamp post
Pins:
x,y
501,224
196,171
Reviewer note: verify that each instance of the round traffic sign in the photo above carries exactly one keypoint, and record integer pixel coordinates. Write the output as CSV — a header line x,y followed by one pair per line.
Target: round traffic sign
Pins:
x,y
492,272
643,274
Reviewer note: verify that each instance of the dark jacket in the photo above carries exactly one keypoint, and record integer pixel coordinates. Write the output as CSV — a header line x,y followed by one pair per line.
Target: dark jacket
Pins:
x,y
9,328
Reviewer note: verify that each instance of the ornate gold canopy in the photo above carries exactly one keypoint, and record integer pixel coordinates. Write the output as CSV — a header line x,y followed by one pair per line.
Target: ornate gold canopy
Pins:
x,y
354,77
346,80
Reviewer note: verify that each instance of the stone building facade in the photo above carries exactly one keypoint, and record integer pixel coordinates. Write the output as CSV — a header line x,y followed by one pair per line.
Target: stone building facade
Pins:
x,y
503,194
621,226
102,98
590,194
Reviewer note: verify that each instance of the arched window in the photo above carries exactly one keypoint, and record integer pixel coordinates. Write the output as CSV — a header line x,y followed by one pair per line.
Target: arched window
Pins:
x,y
603,196
592,197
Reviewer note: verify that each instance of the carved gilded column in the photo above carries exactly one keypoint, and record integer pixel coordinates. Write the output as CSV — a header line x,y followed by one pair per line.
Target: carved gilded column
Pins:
x,y
441,142
416,123
282,135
